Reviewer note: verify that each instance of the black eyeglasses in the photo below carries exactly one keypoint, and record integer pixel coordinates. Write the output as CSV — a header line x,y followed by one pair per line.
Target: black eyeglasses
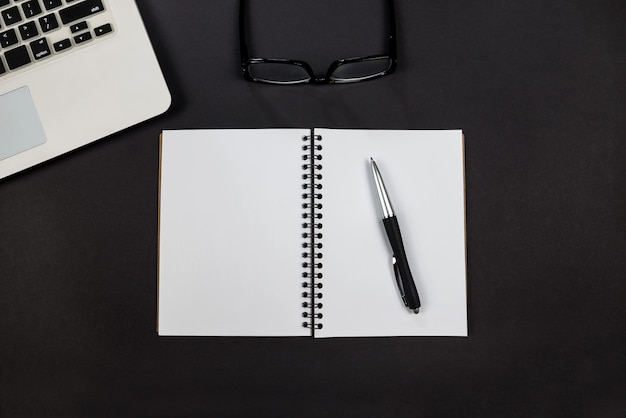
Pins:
x,y
288,71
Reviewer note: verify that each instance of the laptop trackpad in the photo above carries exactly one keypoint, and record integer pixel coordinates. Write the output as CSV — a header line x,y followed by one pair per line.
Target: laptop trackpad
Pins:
x,y
20,127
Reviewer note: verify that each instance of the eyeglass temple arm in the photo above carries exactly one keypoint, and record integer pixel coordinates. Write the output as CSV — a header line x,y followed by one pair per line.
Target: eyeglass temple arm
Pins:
x,y
393,52
243,45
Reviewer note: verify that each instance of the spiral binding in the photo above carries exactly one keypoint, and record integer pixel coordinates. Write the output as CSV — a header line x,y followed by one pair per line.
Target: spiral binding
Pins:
x,y
312,214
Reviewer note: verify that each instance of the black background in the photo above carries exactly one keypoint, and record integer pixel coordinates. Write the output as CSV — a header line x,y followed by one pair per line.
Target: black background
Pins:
x,y
539,89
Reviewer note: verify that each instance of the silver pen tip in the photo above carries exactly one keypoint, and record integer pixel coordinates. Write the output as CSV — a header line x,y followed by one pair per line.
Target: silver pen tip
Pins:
x,y
416,311
383,197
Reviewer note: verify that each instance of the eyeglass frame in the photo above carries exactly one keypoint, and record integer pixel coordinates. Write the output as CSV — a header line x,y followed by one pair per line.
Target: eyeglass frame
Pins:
x,y
246,61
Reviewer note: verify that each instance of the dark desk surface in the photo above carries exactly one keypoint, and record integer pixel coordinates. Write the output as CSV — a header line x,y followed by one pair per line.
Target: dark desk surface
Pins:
x,y
539,89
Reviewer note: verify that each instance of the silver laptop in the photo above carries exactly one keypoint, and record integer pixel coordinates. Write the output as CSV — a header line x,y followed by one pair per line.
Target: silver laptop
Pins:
x,y
72,72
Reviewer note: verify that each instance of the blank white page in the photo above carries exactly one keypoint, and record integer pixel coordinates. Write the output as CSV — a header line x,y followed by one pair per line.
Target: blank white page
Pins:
x,y
424,175
230,233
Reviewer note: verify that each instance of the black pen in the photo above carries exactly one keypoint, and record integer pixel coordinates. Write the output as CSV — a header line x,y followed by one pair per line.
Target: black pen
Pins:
x,y
401,269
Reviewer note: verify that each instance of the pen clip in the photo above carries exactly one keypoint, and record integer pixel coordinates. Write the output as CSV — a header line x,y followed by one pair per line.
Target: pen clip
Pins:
x,y
396,273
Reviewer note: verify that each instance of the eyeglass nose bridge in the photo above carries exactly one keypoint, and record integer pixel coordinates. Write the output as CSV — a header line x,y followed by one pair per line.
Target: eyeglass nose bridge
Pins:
x,y
313,78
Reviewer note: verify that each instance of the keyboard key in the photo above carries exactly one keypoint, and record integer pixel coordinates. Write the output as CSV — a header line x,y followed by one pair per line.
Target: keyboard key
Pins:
x,y
83,37
2,69
11,16
40,49
80,11
31,8
103,30
48,23
8,38
4,3
77,27
52,4
28,30
17,57
62,45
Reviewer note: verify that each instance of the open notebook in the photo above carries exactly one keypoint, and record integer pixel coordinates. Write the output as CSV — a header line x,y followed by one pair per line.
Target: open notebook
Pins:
x,y
240,216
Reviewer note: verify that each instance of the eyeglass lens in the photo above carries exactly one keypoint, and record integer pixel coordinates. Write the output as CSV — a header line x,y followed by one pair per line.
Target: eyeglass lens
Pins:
x,y
361,70
273,72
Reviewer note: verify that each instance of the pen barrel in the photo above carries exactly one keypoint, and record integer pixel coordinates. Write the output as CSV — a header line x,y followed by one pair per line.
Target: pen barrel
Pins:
x,y
395,239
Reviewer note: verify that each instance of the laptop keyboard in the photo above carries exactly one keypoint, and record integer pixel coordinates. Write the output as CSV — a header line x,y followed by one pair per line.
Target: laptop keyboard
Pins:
x,y
35,31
